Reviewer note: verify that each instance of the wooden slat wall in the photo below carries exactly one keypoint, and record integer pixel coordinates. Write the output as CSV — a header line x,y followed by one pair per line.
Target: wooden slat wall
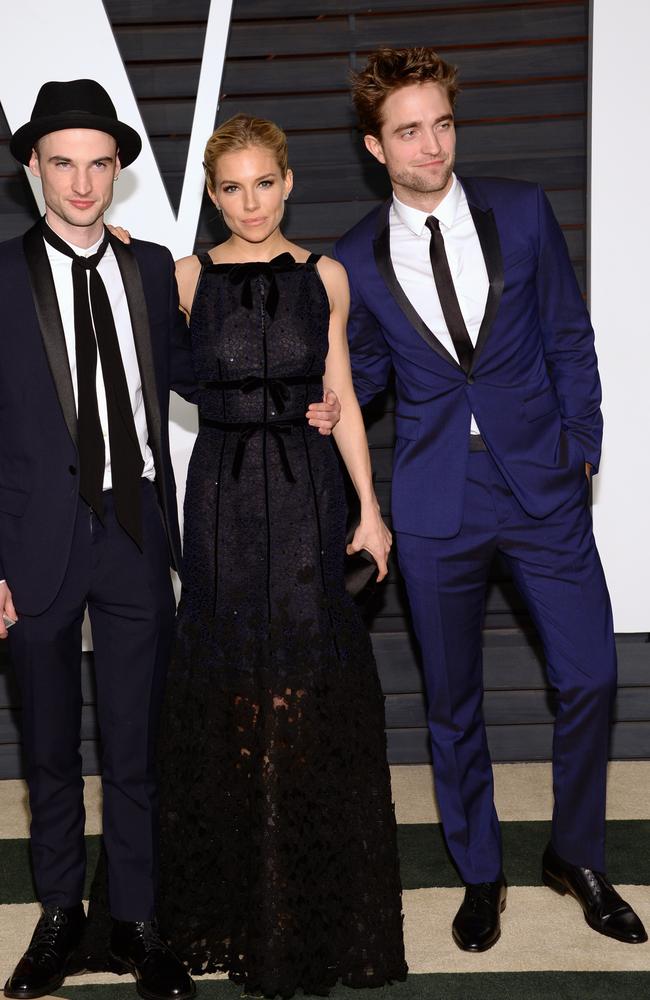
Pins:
x,y
522,113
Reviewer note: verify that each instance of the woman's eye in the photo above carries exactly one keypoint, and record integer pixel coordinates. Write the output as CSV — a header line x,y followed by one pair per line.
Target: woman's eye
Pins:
x,y
229,188
266,184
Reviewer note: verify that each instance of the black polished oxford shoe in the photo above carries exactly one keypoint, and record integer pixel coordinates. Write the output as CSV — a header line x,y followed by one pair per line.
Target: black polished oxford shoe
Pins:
x,y
42,968
603,908
139,948
477,925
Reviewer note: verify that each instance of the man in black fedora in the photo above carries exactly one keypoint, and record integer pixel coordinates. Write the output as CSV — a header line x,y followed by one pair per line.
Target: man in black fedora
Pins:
x,y
92,340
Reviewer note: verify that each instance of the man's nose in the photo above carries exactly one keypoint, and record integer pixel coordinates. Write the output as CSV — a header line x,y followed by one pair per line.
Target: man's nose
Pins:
x,y
431,142
82,183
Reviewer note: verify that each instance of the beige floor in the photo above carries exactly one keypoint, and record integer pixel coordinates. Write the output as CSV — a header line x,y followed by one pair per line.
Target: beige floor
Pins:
x,y
567,944
541,931
522,792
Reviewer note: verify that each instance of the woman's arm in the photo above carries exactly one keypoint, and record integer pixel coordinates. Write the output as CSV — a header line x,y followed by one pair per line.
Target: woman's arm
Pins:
x,y
349,433
188,270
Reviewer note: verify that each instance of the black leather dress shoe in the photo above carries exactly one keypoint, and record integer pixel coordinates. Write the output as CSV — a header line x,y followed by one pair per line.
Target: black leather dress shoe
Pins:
x,y
159,975
604,909
477,925
42,968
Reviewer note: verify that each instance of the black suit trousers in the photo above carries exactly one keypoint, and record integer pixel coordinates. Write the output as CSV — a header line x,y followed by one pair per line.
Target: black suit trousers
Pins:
x,y
130,602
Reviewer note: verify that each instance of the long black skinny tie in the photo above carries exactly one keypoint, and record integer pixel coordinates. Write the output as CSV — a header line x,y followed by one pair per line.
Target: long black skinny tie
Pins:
x,y
94,330
447,295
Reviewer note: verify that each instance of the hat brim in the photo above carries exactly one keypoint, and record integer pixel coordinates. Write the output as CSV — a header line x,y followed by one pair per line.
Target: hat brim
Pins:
x,y
128,141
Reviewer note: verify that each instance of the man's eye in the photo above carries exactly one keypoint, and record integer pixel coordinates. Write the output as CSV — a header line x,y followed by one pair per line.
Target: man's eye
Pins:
x,y
408,134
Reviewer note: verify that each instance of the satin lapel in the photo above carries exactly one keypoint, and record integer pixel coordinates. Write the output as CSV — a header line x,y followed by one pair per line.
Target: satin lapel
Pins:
x,y
134,291
488,236
49,321
381,246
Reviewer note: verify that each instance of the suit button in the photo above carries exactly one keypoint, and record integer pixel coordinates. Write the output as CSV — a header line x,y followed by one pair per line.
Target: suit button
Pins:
x,y
72,469
470,380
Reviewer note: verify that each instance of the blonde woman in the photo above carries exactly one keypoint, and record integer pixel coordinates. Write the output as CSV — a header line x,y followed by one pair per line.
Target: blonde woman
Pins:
x,y
278,839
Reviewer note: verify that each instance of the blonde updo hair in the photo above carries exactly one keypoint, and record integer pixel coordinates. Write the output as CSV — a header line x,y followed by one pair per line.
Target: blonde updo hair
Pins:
x,y
242,132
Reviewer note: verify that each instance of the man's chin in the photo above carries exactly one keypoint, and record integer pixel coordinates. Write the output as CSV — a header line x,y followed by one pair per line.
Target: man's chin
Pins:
x,y
82,219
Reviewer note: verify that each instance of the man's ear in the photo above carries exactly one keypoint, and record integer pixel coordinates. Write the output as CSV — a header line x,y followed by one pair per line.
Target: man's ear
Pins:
x,y
118,167
34,165
373,145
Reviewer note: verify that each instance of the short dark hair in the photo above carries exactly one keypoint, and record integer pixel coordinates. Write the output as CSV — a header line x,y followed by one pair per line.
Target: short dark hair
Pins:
x,y
388,70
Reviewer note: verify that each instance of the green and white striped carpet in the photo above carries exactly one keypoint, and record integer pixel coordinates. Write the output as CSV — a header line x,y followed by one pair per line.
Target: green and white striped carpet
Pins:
x,y
546,951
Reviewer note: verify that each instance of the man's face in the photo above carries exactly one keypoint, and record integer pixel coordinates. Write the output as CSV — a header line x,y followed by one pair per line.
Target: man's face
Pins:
x,y
417,143
77,168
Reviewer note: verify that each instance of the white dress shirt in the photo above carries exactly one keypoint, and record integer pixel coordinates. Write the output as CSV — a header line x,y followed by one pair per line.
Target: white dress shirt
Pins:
x,y
110,273
409,251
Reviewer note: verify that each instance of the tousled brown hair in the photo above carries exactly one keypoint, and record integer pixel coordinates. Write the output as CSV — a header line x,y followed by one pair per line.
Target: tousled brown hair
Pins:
x,y
242,132
388,70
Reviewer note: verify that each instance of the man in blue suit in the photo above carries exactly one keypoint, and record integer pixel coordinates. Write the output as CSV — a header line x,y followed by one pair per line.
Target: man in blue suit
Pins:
x,y
92,339
464,288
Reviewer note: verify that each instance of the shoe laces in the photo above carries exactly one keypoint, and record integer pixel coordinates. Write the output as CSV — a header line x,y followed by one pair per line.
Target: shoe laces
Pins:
x,y
479,893
601,884
150,935
48,929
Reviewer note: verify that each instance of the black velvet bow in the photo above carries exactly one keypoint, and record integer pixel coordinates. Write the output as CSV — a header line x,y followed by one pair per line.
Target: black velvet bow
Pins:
x,y
278,431
278,390
246,274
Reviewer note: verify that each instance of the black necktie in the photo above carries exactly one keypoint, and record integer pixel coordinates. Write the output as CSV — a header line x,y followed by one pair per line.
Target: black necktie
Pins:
x,y
447,295
94,330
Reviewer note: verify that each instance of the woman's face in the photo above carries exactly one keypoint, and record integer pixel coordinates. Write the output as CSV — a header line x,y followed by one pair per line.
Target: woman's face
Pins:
x,y
250,191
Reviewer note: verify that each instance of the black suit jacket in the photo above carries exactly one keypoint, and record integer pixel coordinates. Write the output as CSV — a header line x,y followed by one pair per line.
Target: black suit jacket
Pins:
x,y
39,484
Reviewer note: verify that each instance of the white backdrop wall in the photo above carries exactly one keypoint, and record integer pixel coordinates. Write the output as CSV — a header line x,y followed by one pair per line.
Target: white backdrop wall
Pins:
x,y
619,286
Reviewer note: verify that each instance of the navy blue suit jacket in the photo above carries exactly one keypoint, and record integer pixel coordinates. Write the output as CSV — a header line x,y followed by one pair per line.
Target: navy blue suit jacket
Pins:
x,y
533,385
39,484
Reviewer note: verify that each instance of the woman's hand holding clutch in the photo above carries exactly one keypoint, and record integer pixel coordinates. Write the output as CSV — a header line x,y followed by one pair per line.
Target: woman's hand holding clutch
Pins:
x,y
372,535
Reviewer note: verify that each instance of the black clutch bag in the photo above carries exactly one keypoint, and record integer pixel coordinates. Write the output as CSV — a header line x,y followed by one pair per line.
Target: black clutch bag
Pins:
x,y
360,569
360,572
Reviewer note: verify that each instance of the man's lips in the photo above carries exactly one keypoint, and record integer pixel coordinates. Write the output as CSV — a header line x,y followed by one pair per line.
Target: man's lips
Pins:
x,y
80,203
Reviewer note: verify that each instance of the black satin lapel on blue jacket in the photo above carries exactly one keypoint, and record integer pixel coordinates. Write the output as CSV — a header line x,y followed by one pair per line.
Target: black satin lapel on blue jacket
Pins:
x,y
49,320
381,246
488,236
134,291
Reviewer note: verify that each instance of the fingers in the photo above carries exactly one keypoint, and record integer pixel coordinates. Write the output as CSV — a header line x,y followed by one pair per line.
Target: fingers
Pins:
x,y
378,550
323,416
122,234
7,610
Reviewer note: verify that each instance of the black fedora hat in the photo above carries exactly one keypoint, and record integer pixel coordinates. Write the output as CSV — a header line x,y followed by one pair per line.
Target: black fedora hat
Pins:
x,y
74,104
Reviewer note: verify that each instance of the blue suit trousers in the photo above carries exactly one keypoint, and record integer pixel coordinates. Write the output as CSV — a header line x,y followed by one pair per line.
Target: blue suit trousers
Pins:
x,y
555,565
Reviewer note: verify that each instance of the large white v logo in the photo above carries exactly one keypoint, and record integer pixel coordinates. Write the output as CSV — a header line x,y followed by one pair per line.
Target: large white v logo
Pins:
x,y
73,39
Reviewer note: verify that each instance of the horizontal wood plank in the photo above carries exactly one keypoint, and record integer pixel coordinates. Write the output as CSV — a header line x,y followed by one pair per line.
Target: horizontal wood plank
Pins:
x,y
295,75
630,741
444,30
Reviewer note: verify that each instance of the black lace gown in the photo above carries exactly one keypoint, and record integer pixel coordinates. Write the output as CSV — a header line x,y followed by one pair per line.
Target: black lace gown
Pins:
x,y
278,839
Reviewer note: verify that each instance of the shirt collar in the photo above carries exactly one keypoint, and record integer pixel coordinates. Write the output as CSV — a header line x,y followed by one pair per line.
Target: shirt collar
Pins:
x,y
80,251
446,212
